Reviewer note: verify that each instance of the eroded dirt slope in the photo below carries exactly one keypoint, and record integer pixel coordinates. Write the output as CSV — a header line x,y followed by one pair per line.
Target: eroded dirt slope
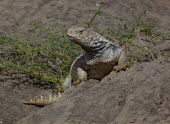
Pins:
x,y
140,95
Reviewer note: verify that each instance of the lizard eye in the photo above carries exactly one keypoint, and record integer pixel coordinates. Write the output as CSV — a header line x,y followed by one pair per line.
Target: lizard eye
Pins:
x,y
81,31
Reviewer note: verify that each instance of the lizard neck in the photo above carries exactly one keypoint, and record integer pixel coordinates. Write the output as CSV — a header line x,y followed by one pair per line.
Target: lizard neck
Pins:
x,y
97,49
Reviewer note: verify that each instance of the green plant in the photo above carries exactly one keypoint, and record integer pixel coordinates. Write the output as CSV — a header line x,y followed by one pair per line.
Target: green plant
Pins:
x,y
47,57
97,13
45,53
138,37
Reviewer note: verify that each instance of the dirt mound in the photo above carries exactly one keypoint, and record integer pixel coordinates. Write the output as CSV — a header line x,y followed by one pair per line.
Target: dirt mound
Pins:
x,y
139,95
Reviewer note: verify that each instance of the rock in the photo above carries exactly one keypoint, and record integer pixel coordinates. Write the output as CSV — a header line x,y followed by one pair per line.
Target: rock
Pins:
x,y
132,96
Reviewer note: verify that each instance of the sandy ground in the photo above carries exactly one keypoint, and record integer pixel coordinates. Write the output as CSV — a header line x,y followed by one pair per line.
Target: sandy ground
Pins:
x,y
16,14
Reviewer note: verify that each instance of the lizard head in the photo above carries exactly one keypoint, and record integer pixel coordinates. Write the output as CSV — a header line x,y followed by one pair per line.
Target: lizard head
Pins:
x,y
78,35
88,39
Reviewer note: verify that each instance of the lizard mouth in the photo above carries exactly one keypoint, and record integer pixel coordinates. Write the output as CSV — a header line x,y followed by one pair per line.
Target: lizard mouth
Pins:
x,y
72,39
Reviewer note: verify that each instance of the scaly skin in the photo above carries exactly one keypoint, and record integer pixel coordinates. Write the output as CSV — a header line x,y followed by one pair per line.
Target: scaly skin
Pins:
x,y
100,58
43,100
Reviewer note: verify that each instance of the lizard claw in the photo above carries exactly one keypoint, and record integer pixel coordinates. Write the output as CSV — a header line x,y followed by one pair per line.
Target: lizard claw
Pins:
x,y
120,67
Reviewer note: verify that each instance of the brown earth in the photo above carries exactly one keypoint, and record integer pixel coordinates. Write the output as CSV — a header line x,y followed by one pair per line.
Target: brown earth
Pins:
x,y
139,95
13,90
18,13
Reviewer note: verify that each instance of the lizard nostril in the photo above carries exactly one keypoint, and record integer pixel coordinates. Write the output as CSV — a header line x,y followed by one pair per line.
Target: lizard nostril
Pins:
x,y
81,31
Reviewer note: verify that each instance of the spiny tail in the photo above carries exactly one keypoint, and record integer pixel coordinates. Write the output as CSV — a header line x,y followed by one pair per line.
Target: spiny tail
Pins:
x,y
43,100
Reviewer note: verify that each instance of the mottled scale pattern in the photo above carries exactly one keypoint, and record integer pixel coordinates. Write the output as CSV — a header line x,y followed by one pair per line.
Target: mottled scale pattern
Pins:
x,y
43,100
100,58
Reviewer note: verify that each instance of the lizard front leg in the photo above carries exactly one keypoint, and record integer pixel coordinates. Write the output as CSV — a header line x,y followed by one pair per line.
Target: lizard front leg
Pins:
x,y
81,75
67,83
122,62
